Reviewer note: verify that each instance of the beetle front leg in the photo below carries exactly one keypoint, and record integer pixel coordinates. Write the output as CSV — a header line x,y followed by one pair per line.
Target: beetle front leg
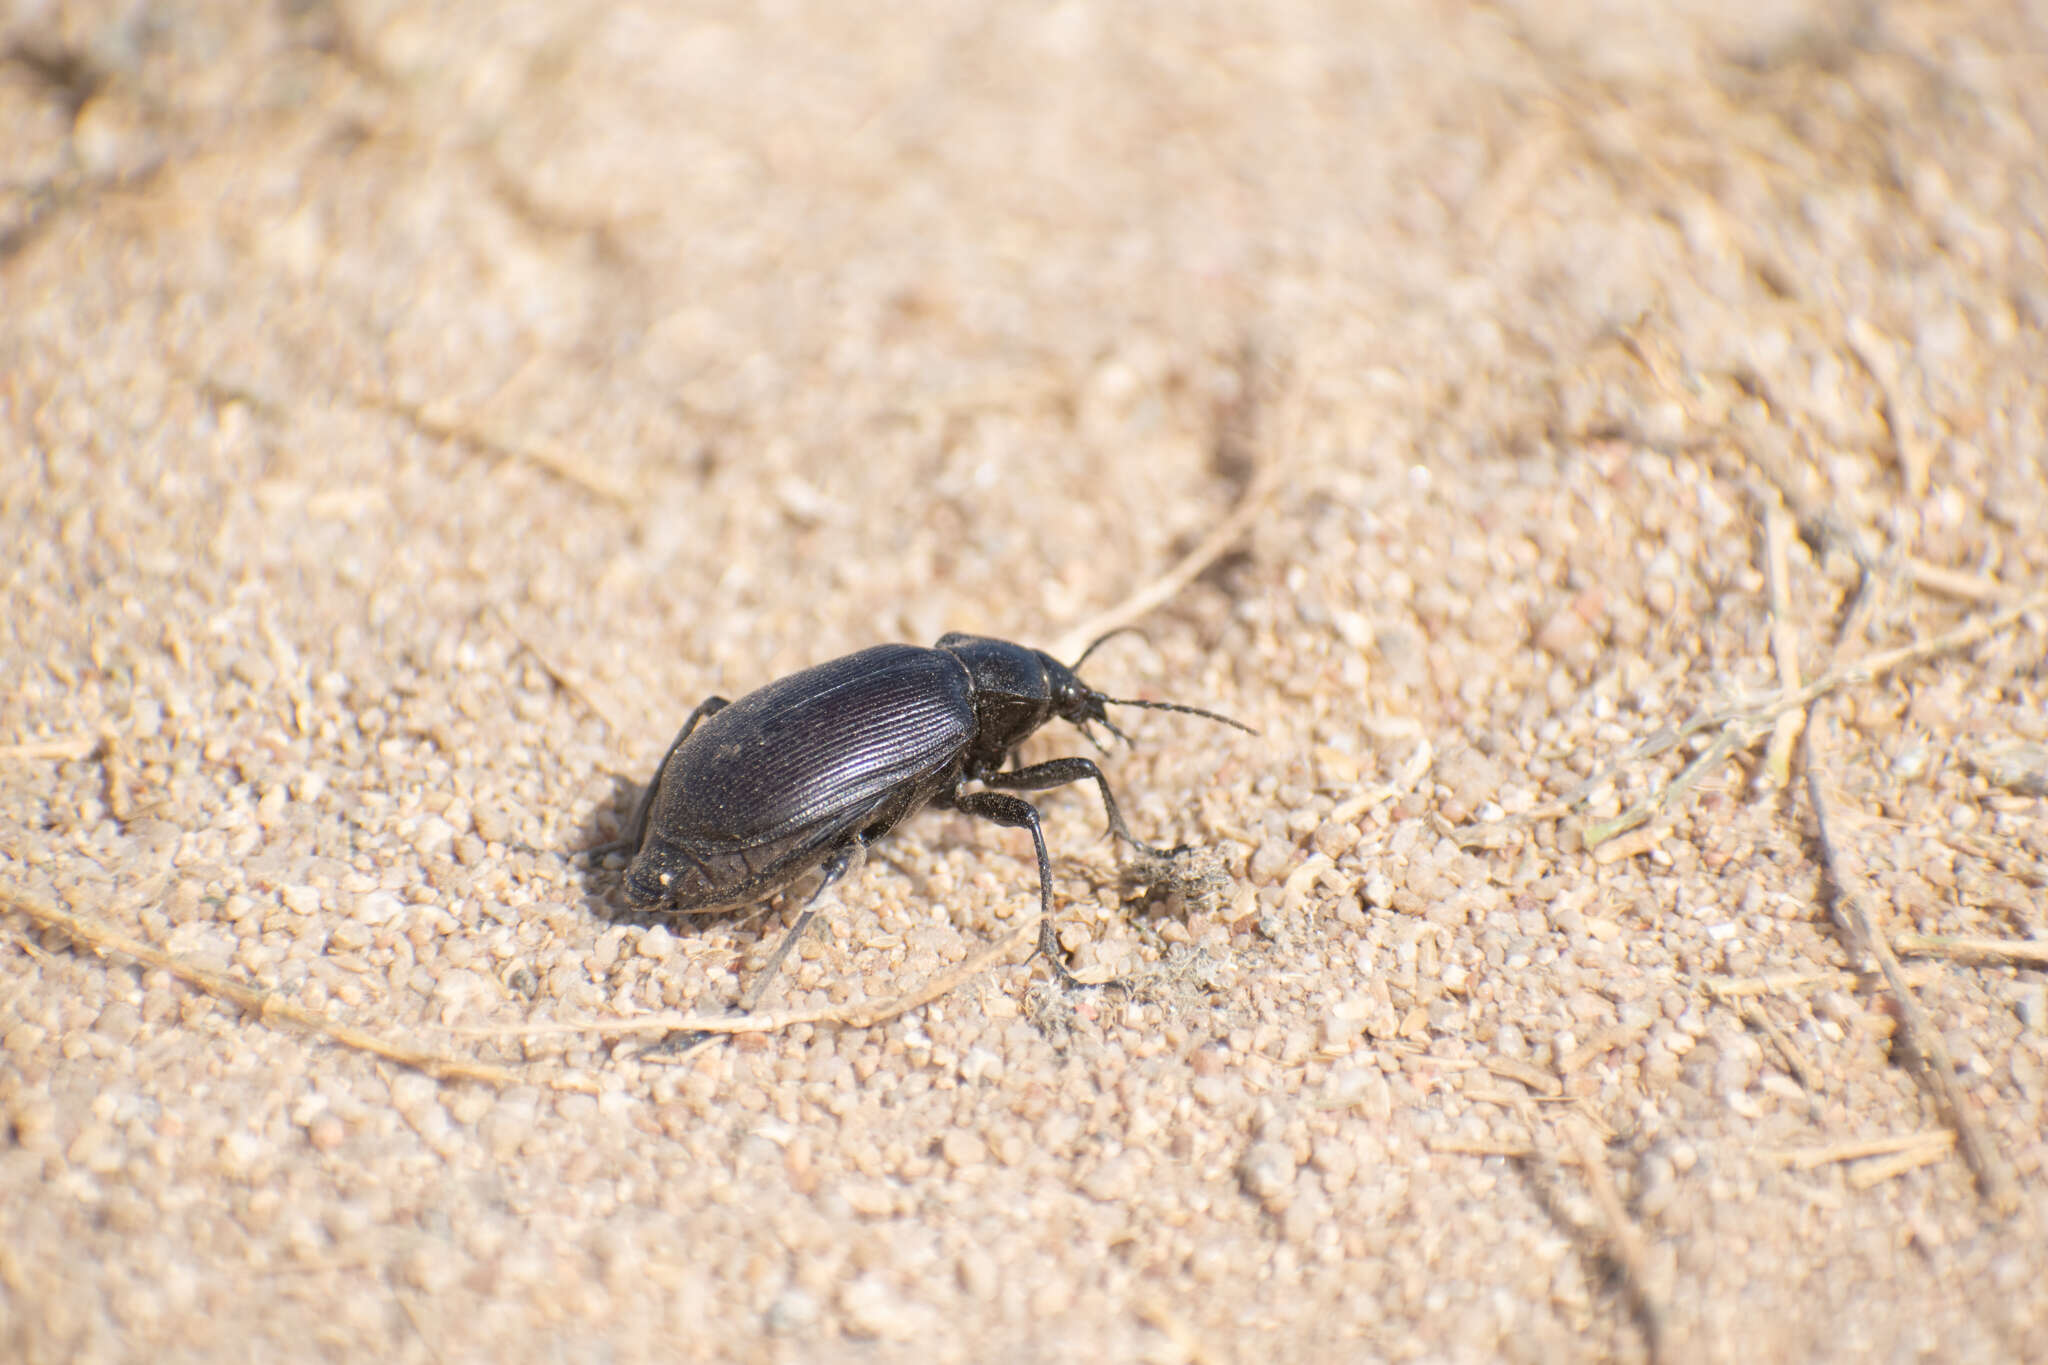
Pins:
x,y
1014,812
1059,772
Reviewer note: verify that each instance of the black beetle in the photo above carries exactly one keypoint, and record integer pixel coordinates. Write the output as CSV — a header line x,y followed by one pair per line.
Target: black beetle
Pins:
x,y
807,771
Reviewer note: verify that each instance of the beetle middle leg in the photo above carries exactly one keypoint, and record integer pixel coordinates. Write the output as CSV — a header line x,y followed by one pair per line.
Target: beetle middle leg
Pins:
x,y
1014,812
1059,772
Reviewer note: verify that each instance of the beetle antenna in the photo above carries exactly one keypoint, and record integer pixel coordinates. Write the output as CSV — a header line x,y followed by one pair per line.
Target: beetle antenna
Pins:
x,y
1176,706
1097,643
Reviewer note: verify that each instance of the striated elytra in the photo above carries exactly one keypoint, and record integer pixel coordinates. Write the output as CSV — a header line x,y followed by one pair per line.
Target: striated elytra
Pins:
x,y
808,771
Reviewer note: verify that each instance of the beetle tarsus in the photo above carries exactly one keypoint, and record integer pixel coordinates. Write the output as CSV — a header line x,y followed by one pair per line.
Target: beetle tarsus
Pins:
x,y
674,1047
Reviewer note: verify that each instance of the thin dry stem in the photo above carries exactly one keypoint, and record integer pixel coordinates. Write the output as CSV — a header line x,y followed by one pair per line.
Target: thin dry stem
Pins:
x,y
857,1015
1876,1172
1170,1325
1619,848
1777,768
442,422
1756,717
1603,1041
1624,1240
1508,1147
1795,1061
565,678
1878,356
69,749
2019,952
1956,583
115,766
266,1006
1733,737
1774,983
1852,912
1535,1077
1806,1158
1258,492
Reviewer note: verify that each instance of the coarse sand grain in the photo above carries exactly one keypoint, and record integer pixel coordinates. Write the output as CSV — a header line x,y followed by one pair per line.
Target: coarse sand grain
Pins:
x,y
1617,451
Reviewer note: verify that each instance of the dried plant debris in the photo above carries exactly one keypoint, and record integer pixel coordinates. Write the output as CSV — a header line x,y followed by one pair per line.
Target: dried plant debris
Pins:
x,y
2019,768
1189,881
1598,448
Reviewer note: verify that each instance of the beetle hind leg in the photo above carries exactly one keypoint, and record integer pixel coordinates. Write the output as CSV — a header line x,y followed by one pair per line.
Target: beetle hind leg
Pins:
x,y
635,833
848,859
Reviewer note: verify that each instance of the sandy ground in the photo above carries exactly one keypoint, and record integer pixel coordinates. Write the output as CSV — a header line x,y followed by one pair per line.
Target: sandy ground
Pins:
x,y
408,414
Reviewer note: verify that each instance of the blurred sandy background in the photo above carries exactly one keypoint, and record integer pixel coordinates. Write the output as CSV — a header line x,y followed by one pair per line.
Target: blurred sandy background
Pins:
x,y
408,414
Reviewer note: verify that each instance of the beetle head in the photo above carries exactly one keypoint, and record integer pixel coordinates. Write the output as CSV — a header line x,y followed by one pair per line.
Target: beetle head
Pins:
x,y
1076,701
1019,689
656,872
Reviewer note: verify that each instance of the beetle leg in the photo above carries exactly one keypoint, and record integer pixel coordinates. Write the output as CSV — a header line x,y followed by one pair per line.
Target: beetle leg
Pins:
x,y
636,828
1014,812
847,859
1058,773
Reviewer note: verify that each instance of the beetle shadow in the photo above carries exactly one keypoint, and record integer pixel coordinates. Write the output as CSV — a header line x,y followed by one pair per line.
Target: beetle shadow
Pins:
x,y
600,877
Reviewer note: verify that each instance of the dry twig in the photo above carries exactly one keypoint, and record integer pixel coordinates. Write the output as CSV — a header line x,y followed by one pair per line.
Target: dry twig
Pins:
x,y
443,423
1777,769
1754,719
1507,1147
1625,1246
1156,1311
1809,1080
1852,912
1530,1075
1733,737
70,749
266,1006
1879,359
1725,988
565,678
1258,491
114,764
1806,1158
1877,1171
1603,1041
2016,951
859,1014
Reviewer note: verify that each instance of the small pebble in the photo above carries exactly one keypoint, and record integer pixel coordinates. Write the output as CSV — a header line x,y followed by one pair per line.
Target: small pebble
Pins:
x,y
1266,1171
2033,1006
961,1148
793,1311
873,1308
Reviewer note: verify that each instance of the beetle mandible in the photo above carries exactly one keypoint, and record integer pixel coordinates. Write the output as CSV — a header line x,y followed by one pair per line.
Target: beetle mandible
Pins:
x,y
808,771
